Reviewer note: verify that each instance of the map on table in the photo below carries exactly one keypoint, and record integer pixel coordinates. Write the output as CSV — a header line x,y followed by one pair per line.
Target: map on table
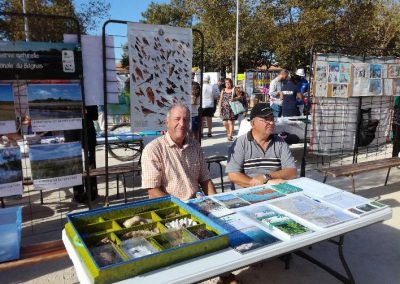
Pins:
x,y
311,210
259,194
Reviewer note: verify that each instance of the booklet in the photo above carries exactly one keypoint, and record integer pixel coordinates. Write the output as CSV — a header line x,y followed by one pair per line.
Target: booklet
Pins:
x,y
231,201
314,188
315,212
209,207
286,188
283,226
258,194
250,238
354,203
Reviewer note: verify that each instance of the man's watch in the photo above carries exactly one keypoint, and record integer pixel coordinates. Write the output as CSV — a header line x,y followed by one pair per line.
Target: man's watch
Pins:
x,y
267,178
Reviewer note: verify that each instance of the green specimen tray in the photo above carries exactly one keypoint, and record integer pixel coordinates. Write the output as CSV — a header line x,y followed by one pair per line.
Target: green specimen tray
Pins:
x,y
87,229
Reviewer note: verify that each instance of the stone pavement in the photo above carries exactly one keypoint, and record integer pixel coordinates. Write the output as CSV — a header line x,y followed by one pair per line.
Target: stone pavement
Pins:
x,y
373,253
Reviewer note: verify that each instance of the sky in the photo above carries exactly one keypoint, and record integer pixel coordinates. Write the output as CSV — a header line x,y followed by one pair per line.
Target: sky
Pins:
x,y
6,93
55,151
124,10
55,91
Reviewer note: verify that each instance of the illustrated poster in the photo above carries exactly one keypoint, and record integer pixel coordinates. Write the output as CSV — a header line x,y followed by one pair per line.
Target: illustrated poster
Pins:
x,y
55,106
321,79
361,79
160,62
375,81
393,71
10,171
7,111
56,165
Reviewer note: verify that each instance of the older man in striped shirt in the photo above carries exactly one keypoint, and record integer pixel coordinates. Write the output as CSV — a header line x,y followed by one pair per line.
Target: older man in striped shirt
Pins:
x,y
260,157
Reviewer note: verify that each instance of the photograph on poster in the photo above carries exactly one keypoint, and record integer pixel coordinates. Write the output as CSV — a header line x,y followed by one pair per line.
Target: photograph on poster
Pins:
x,y
396,87
54,101
10,165
55,160
333,72
321,89
375,71
7,109
336,90
321,71
394,71
345,68
344,78
375,86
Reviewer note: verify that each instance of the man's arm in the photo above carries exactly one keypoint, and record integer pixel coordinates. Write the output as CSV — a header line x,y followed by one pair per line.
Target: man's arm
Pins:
x,y
208,187
276,177
156,192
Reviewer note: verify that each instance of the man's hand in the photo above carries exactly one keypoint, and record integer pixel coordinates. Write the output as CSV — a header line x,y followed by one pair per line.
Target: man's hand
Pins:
x,y
258,180
275,181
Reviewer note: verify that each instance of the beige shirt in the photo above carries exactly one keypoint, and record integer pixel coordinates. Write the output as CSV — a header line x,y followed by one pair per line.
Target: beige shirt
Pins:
x,y
176,171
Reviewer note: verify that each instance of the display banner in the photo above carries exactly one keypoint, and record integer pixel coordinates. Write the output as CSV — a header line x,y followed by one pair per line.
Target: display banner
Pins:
x,y
55,106
38,60
10,171
160,63
7,109
56,165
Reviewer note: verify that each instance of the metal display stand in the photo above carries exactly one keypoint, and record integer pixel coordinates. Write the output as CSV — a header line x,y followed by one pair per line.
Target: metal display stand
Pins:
x,y
357,150
106,92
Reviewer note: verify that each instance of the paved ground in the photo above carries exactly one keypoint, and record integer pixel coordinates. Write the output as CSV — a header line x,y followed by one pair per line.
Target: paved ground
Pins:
x,y
373,253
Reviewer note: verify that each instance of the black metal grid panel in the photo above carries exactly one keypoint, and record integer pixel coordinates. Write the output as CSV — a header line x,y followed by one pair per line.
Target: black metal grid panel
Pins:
x,y
337,123
43,213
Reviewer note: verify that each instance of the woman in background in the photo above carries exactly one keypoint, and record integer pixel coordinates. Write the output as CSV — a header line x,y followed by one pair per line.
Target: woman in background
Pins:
x,y
226,113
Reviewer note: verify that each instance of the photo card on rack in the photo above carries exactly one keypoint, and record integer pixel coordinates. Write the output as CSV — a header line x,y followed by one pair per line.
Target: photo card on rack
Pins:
x,y
7,109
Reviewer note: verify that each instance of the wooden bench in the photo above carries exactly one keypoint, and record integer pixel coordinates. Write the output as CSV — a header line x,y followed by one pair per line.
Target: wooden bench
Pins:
x,y
353,169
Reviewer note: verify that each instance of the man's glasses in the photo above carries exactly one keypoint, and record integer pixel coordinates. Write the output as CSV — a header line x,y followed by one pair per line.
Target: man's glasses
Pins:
x,y
266,120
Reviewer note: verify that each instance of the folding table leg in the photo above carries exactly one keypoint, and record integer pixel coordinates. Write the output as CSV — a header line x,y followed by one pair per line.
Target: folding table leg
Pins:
x,y
124,184
387,175
353,185
118,186
221,175
2,202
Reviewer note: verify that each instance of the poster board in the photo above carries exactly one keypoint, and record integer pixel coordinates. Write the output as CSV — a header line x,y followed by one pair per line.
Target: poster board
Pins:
x,y
160,63
354,76
40,91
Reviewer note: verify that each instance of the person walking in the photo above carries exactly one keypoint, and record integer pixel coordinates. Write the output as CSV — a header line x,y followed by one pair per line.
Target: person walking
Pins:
x,y
208,105
241,96
195,108
226,113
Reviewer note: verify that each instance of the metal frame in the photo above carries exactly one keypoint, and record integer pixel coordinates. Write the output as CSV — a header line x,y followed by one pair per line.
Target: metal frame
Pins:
x,y
85,144
340,244
105,97
339,48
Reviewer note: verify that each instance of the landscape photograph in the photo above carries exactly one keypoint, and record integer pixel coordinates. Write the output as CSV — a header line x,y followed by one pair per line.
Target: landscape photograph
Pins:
x,y
10,165
55,160
54,101
7,111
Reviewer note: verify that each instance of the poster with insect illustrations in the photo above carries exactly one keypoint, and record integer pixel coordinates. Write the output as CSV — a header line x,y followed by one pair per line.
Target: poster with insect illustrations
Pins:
x,y
160,63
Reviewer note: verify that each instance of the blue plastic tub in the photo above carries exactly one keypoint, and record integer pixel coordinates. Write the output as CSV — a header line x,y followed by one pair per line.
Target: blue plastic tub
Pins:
x,y
10,232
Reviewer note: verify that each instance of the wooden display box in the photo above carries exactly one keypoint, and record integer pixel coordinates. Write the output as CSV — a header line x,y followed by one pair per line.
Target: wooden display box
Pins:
x,y
102,242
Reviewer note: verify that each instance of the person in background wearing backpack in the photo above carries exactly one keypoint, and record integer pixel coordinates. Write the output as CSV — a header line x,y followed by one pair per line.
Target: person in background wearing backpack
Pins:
x,y
303,89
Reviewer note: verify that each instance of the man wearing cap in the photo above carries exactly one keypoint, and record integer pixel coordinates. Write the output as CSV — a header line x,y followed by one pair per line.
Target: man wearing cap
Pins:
x,y
275,92
302,86
260,157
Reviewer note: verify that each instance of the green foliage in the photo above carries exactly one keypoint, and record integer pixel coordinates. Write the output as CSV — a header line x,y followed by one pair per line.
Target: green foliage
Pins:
x,y
44,29
281,31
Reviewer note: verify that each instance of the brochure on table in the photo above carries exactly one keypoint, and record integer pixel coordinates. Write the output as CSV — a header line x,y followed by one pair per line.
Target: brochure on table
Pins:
x,y
265,215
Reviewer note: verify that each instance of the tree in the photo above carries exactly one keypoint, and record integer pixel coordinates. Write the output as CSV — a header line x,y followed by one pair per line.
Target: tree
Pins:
x,y
282,31
43,29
